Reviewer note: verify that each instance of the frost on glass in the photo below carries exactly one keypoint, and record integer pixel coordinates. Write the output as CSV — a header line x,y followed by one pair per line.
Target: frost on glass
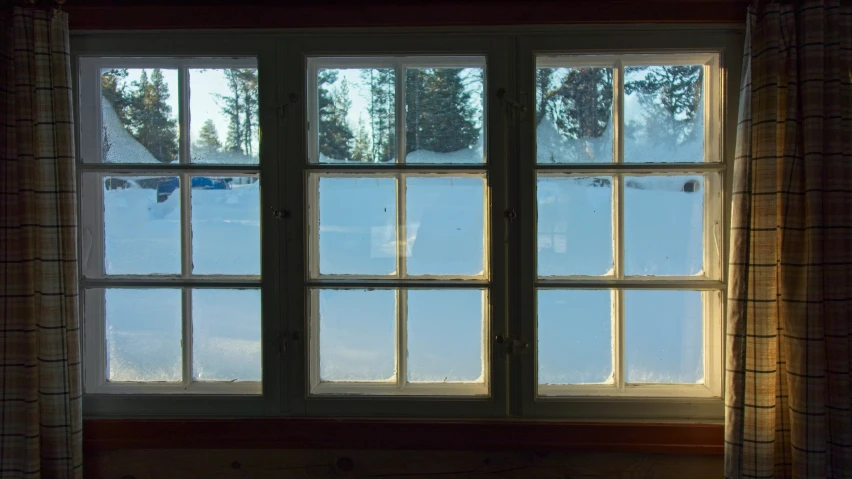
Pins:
x,y
573,115
357,334
575,337
664,114
445,329
226,335
224,121
574,226
143,334
141,225
664,225
663,337
357,225
443,115
225,225
356,115
445,225
139,111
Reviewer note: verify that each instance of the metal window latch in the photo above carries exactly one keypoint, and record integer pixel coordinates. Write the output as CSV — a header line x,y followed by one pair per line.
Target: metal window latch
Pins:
x,y
507,100
510,214
280,214
512,345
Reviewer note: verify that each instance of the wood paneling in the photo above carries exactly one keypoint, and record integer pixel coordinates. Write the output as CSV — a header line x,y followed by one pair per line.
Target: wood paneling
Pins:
x,y
295,433
321,464
128,14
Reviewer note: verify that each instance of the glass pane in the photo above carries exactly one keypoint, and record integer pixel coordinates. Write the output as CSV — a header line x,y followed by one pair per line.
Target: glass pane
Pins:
x,y
225,225
443,115
445,329
356,110
664,225
664,114
574,337
142,225
143,334
663,337
575,226
357,225
226,335
224,123
573,115
445,225
139,107
357,335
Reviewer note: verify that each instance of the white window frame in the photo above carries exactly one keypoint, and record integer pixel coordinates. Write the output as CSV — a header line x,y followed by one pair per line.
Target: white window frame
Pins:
x,y
283,60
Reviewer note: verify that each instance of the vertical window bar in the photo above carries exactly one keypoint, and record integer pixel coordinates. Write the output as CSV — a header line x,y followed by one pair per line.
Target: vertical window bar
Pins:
x,y
186,341
185,190
618,225
402,236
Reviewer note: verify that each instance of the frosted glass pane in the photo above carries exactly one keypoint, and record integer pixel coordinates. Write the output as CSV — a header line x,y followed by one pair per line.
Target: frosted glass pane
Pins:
x,y
573,115
226,335
445,225
357,335
574,337
663,338
356,110
143,334
445,335
139,107
225,225
224,124
141,225
443,115
357,226
574,226
664,114
664,225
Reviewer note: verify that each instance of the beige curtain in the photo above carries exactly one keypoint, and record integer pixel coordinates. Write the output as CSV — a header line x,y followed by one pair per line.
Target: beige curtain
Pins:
x,y
789,349
41,431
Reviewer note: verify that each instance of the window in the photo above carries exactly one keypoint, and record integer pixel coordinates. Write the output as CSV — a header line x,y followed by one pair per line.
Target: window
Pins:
x,y
398,237
170,220
491,225
628,204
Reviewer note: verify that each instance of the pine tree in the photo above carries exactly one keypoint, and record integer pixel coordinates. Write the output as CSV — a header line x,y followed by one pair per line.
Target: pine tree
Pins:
x,y
439,115
208,143
543,93
361,150
232,107
150,117
248,84
335,135
584,102
670,97
381,107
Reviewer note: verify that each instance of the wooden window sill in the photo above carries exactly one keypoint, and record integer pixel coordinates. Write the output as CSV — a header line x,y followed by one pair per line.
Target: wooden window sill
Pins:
x,y
485,435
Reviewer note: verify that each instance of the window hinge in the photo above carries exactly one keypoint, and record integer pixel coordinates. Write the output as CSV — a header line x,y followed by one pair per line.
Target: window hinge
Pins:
x,y
280,214
512,345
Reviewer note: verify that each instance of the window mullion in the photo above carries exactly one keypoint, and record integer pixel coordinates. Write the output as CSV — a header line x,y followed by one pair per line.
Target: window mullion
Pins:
x,y
186,225
402,246
618,225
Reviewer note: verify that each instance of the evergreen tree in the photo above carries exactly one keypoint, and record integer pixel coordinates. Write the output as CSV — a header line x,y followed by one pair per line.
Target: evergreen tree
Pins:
x,y
361,151
208,143
335,135
240,107
439,116
114,90
671,98
151,122
584,102
543,93
382,112
248,84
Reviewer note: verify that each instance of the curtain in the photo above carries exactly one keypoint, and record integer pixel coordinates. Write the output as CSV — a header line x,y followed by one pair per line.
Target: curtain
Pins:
x,y
41,432
789,348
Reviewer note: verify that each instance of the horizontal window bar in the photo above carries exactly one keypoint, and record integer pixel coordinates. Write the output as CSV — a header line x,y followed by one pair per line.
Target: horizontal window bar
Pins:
x,y
397,283
166,282
634,168
385,61
330,168
656,282
168,169
650,59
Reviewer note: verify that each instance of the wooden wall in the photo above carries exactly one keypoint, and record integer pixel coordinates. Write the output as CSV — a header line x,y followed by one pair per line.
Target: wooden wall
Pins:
x,y
321,464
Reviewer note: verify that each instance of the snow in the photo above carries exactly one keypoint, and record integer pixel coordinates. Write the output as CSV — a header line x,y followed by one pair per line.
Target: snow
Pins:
x,y
444,229
123,148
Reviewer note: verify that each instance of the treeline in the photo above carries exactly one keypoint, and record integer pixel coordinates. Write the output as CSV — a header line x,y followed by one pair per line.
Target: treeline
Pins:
x,y
579,102
142,107
439,113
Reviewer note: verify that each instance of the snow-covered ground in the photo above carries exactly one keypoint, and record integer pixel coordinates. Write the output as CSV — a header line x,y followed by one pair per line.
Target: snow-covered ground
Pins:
x,y
444,235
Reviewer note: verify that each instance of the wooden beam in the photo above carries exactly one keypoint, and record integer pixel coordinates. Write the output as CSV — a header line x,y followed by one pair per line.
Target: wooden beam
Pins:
x,y
107,15
495,435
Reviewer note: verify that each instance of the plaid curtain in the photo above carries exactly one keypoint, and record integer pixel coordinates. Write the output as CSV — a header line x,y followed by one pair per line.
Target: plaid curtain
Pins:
x,y
41,432
789,349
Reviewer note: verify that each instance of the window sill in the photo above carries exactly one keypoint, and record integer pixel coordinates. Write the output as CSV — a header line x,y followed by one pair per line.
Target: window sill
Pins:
x,y
486,435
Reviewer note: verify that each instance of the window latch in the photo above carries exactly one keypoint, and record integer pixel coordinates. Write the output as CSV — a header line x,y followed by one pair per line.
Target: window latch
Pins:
x,y
512,345
280,214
